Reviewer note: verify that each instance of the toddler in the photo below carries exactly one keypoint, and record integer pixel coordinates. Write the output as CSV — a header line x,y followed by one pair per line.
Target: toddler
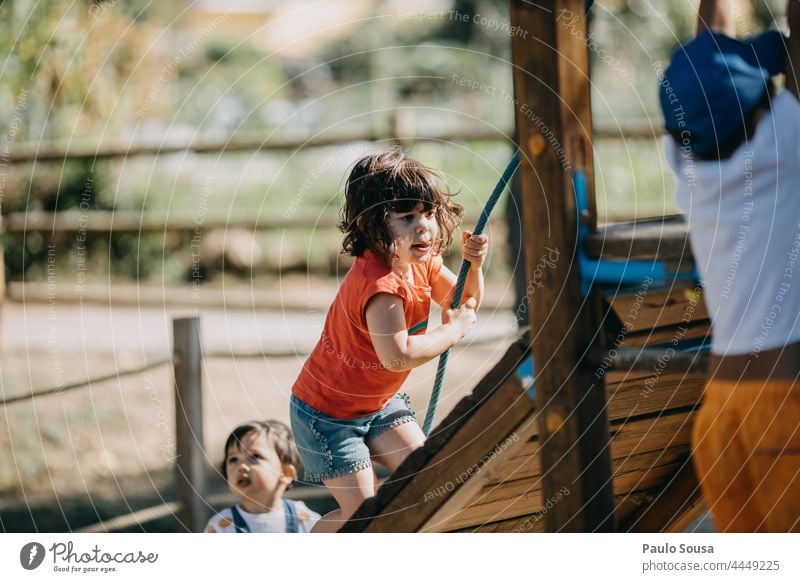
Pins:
x,y
259,466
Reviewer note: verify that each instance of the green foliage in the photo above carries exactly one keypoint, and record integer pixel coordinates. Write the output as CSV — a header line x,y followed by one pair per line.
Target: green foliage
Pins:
x,y
112,69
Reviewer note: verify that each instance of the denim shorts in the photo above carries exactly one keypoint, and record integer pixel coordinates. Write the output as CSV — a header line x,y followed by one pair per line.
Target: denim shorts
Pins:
x,y
332,447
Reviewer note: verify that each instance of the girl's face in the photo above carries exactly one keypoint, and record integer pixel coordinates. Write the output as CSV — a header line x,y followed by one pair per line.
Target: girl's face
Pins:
x,y
255,473
415,233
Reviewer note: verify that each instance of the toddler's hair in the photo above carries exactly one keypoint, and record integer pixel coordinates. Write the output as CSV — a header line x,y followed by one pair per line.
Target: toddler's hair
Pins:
x,y
392,182
278,435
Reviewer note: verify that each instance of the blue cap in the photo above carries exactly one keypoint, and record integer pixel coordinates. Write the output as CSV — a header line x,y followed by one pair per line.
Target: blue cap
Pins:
x,y
714,83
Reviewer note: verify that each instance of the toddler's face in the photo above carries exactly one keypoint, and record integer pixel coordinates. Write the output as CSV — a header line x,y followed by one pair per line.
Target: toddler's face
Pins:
x,y
415,234
254,470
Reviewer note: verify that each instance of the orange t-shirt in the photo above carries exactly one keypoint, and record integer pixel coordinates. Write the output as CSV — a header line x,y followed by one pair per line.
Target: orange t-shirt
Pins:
x,y
343,377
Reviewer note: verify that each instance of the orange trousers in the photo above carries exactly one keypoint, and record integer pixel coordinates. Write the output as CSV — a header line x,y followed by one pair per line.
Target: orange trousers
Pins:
x,y
746,445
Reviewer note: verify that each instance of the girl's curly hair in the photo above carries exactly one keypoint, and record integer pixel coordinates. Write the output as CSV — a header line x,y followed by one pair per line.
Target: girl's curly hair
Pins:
x,y
392,182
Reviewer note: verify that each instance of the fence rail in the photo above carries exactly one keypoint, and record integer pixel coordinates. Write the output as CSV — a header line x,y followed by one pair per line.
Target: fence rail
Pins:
x,y
125,221
60,151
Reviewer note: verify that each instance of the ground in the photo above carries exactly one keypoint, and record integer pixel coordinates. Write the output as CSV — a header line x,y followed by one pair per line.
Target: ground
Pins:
x,y
87,454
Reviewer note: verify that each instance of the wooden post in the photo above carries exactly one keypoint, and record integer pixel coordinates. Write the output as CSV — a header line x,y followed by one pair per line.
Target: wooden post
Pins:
x,y
190,467
553,114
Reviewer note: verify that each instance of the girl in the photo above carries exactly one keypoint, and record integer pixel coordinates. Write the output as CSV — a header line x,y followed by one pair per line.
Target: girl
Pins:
x,y
345,407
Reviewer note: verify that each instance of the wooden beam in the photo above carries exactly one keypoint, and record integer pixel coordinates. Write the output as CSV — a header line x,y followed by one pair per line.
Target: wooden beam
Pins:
x,y
553,116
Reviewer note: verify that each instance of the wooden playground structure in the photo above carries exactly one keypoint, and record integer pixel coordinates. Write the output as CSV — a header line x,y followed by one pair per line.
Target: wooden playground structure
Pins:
x,y
584,424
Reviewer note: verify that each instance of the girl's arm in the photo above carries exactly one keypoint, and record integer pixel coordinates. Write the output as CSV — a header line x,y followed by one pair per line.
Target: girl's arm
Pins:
x,y
474,249
397,351
716,16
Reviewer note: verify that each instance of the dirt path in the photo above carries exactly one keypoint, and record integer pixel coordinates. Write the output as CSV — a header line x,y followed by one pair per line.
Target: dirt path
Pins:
x,y
107,441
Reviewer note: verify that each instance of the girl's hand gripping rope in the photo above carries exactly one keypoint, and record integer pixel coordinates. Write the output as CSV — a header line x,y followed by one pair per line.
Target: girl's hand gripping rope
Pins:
x,y
474,248
462,318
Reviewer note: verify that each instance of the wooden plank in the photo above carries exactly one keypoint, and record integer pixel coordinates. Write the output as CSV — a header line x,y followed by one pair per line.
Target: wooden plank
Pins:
x,y
466,493
662,335
531,500
665,358
635,437
670,392
498,396
665,238
658,308
629,464
508,484
646,479
553,116
534,523
673,508
646,452
654,393
483,435
527,502
625,467
652,433
614,378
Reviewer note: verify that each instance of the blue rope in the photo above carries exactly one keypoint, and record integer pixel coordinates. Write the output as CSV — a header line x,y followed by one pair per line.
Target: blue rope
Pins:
x,y
461,281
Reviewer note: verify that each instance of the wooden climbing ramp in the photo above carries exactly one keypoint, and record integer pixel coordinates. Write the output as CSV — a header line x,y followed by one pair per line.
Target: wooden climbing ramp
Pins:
x,y
585,422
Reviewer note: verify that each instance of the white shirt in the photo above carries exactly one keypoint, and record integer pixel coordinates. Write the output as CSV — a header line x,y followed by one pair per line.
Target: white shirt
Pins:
x,y
744,226
269,522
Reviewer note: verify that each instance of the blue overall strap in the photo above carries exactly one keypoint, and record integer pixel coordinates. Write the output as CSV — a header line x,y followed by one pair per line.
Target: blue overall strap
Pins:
x,y
239,524
292,524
